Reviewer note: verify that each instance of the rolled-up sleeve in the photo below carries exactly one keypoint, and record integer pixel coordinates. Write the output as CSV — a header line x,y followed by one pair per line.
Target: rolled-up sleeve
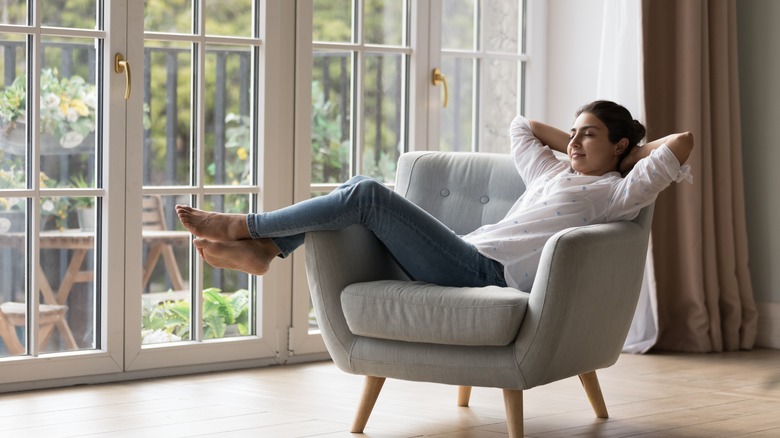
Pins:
x,y
532,158
649,177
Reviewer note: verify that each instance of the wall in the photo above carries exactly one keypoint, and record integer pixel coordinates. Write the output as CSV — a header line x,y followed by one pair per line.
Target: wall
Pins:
x,y
759,69
573,44
573,47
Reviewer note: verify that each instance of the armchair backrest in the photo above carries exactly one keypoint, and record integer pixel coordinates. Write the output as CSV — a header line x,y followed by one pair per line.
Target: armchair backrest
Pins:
x,y
463,190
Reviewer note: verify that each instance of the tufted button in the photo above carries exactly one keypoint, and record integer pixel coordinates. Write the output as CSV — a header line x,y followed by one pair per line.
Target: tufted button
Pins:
x,y
484,199
445,192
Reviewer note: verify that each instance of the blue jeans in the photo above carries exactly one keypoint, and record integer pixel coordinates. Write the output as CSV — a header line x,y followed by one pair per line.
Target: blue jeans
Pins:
x,y
423,247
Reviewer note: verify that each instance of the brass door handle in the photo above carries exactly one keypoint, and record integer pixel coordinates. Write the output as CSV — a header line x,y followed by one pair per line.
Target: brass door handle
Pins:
x,y
123,65
439,78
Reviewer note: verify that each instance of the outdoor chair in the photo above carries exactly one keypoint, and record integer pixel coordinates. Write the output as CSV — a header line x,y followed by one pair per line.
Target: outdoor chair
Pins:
x,y
14,314
573,321
153,219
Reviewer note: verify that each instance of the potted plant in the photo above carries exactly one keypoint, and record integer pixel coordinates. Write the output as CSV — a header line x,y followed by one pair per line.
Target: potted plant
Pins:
x,y
54,212
223,314
84,205
68,114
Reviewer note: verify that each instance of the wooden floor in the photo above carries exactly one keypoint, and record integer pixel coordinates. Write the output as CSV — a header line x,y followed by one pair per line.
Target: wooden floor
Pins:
x,y
657,395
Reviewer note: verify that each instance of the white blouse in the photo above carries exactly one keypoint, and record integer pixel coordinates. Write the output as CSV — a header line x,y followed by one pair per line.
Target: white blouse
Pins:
x,y
556,198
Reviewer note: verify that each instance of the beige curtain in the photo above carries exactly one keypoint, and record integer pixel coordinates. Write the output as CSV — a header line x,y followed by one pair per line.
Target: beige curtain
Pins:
x,y
705,298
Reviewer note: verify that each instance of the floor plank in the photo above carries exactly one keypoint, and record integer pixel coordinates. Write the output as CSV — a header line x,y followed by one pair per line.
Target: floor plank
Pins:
x,y
654,395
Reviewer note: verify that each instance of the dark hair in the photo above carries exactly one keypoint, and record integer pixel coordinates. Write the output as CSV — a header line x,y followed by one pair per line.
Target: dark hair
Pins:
x,y
619,122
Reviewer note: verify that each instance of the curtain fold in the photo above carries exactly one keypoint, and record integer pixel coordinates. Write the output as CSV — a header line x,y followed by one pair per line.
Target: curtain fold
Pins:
x,y
705,299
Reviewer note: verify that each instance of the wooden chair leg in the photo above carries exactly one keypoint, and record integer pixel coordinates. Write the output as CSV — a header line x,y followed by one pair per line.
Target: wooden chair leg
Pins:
x,y
513,401
173,268
65,332
591,384
371,388
44,334
464,394
8,334
151,260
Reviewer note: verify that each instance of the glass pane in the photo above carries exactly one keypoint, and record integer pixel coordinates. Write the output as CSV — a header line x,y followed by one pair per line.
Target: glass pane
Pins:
x,y
168,101
55,213
227,301
332,21
67,311
13,101
166,294
383,112
458,24
13,12
499,96
168,16
228,17
12,211
384,22
331,131
501,25
67,13
457,120
12,174
13,308
69,106
228,123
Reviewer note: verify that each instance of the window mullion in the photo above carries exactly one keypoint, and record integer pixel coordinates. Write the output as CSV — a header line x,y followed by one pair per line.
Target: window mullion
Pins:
x,y
359,69
477,95
199,164
34,269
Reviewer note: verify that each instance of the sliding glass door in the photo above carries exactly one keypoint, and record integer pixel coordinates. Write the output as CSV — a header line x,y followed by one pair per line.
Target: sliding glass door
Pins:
x,y
58,312
200,99
110,114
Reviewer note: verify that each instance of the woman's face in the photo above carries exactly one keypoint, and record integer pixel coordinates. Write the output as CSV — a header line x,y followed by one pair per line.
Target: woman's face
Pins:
x,y
590,151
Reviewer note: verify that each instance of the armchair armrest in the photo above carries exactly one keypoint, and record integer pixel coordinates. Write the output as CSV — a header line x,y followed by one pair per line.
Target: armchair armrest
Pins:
x,y
582,301
336,259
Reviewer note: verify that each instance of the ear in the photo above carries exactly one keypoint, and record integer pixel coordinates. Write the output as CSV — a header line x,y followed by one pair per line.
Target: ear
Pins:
x,y
621,146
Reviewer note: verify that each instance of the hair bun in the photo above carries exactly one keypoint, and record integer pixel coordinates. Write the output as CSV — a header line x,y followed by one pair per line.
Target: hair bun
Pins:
x,y
639,131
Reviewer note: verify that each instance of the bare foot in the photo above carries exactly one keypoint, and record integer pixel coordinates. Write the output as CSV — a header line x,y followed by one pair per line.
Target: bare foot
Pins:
x,y
253,256
213,226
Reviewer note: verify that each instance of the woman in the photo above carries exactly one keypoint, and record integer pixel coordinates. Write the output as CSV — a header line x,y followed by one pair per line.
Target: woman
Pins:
x,y
590,189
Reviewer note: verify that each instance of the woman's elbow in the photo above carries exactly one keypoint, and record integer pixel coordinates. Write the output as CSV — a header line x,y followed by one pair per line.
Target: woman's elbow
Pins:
x,y
682,145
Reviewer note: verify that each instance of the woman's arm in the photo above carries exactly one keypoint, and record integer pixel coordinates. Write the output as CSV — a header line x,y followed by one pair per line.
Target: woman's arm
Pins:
x,y
680,144
555,138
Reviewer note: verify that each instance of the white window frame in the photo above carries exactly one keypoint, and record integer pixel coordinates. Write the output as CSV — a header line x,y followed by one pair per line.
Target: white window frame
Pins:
x,y
264,347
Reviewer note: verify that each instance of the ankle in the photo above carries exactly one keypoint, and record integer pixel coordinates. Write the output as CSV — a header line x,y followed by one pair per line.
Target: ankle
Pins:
x,y
239,229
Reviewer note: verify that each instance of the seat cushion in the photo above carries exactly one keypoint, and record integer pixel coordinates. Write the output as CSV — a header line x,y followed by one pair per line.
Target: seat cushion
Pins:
x,y
421,312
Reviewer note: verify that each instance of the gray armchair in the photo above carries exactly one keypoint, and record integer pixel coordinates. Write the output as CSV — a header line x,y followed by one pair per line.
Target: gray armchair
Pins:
x,y
377,323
